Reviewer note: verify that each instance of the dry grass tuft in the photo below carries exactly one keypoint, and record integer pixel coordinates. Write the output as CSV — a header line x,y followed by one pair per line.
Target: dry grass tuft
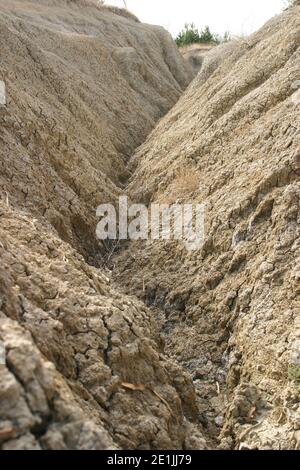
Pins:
x,y
184,184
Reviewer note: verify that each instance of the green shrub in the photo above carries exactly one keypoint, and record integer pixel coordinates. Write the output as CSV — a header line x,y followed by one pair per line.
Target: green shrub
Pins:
x,y
188,35
191,35
207,36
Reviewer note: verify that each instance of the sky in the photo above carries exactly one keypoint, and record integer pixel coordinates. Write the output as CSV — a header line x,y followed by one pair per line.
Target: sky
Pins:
x,y
240,17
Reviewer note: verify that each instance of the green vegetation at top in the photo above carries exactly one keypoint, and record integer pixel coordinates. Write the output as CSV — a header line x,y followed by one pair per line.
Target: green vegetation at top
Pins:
x,y
191,35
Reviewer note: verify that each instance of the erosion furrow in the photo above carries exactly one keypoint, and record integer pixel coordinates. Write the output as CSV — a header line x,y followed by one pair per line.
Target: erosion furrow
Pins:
x,y
230,311
144,344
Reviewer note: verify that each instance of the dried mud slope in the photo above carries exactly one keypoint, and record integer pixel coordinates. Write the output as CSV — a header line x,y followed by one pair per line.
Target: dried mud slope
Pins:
x,y
74,349
231,311
84,87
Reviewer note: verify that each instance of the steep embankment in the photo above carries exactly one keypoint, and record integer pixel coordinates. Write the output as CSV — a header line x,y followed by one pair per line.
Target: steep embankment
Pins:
x,y
231,310
84,87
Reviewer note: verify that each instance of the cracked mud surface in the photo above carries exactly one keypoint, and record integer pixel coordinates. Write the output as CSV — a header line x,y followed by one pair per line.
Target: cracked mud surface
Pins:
x,y
231,310
85,86
169,350
71,342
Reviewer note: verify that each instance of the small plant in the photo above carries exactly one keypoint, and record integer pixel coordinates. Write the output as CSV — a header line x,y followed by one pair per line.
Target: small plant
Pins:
x,y
184,183
227,37
289,3
294,373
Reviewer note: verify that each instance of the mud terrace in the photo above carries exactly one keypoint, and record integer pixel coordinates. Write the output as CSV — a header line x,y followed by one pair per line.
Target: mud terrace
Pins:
x,y
147,346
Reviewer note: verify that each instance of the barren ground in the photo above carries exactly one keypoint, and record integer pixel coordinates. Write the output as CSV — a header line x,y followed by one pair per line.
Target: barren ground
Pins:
x,y
148,346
